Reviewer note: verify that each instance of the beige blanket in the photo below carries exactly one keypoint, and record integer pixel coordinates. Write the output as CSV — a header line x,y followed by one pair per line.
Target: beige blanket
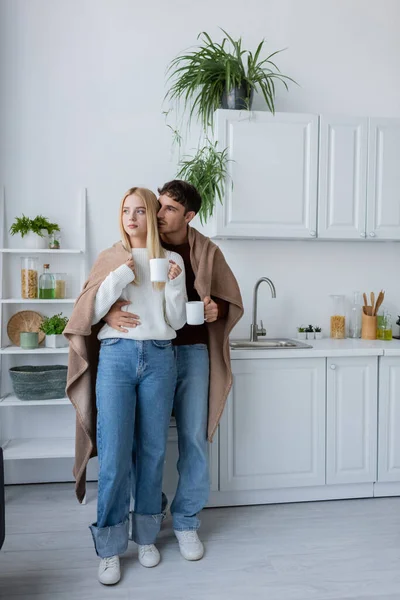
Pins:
x,y
213,277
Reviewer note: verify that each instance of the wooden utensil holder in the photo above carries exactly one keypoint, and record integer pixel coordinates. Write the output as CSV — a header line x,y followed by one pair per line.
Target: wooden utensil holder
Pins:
x,y
368,327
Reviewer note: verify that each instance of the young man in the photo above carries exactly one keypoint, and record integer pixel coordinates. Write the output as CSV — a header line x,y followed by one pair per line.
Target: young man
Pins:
x,y
202,353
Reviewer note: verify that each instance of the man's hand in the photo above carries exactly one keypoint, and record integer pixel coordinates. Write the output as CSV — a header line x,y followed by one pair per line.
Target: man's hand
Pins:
x,y
119,319
210,310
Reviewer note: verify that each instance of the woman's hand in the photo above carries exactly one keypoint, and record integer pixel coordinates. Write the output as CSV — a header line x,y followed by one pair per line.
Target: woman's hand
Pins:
x,y
174,270
129,263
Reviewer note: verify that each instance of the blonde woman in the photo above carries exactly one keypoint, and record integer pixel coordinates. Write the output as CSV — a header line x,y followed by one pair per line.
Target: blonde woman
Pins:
x,y
135,384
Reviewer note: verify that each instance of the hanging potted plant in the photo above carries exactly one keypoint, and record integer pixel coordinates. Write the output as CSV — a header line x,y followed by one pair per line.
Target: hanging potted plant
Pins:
x,y
222,76
53,327
33,231
207,171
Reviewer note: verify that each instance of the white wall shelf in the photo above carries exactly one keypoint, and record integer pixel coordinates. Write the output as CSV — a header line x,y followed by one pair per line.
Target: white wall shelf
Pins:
x,y
41,251
31,448
18,350
16,425
36,301
11,400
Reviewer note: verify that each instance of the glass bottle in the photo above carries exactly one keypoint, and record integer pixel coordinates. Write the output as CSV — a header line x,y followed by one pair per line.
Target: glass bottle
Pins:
x,y
338,319
29,277
355,316
46,284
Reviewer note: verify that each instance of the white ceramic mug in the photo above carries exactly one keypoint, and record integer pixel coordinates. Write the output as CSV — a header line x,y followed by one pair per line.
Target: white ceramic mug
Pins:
x,y
159,268
194,313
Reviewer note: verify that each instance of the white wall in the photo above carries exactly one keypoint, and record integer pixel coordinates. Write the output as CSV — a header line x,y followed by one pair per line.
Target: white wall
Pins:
x,y
82,83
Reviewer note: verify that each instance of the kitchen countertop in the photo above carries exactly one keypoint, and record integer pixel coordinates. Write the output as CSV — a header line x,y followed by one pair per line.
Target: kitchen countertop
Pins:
x,y
326,347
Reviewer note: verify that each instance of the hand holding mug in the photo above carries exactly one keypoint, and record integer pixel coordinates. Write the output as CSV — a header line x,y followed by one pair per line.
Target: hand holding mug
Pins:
x,y
210,310
174,270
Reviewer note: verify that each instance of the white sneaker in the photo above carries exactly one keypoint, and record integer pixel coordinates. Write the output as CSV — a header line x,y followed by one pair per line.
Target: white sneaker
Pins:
x,y
149,556
109,571
189,544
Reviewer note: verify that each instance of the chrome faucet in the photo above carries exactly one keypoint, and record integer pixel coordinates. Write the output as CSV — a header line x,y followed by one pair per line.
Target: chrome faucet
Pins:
x,y
255,331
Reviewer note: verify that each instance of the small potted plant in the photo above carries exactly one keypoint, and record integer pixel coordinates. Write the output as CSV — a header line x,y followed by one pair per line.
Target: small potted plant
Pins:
x,y
310,332
301,333
33,231
318,332
53,327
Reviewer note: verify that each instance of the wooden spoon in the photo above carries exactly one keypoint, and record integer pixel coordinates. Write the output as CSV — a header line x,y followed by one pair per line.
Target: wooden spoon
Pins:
x,y
379,301
365,299
372,302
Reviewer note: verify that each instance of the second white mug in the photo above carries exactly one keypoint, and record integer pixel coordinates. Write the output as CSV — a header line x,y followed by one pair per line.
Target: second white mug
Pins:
x,y
159,268
194,313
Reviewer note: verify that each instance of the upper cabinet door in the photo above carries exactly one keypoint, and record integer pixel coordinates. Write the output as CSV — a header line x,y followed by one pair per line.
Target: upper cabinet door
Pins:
x,y
383,199
271,190
342,190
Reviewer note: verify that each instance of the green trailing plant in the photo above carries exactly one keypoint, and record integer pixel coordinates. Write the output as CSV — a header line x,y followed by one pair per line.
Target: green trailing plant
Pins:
x,y
200,77
40,222
207,171
54,325
23,225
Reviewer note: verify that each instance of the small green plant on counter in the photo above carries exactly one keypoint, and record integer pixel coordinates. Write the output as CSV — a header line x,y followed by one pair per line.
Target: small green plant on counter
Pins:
x,y
54,325
317,329
309,329
398,320
23,225
301,329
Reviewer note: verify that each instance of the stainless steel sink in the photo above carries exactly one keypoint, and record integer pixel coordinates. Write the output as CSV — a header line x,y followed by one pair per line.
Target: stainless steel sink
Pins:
x,y
268,344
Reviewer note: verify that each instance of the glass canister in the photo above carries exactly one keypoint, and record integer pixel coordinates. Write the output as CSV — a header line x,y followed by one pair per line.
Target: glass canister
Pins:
x,y
338,319
55,240
60,285
355,316
47,284
384,325
29,277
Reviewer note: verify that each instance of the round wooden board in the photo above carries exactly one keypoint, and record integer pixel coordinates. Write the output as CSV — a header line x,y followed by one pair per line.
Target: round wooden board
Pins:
x,y
25,320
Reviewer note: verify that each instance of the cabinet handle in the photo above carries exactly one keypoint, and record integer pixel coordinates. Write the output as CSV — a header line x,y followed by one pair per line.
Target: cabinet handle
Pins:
x,y
372,234
313,233
333,367
363,234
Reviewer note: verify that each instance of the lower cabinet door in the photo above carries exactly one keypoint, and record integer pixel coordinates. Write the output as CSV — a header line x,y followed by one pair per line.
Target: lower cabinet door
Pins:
x,y
272,433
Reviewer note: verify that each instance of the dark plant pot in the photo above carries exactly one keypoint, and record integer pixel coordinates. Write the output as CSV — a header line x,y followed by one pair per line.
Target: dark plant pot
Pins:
x,y
236,98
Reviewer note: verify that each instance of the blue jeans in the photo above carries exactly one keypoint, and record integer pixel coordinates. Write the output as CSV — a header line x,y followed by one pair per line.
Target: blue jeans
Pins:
x,y
135,379
191,414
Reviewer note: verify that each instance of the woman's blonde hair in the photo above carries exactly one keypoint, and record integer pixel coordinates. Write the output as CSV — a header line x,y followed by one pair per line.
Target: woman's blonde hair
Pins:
x,y
153,242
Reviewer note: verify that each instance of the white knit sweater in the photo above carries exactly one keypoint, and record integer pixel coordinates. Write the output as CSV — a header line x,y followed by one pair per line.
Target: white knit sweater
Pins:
x,y
161,312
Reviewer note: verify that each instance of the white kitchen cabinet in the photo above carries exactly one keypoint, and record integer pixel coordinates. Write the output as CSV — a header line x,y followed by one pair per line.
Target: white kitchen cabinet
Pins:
x,y
383,198
271,189
389,419
342,187
352,395
272,433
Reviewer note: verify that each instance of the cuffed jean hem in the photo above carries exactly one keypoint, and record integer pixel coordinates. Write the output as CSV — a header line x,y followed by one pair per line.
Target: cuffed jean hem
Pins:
x,y
145,528
183,523
110,541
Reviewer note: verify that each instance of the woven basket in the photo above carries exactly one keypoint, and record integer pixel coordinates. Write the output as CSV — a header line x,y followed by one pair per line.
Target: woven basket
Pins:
x,y
39,383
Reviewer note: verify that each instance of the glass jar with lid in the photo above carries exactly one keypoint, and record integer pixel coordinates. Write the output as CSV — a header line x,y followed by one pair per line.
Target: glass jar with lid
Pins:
x,y
29,277
338,319
46,284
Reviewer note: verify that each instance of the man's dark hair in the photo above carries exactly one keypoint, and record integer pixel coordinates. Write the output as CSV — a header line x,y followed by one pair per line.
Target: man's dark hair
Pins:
x,y
183,192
